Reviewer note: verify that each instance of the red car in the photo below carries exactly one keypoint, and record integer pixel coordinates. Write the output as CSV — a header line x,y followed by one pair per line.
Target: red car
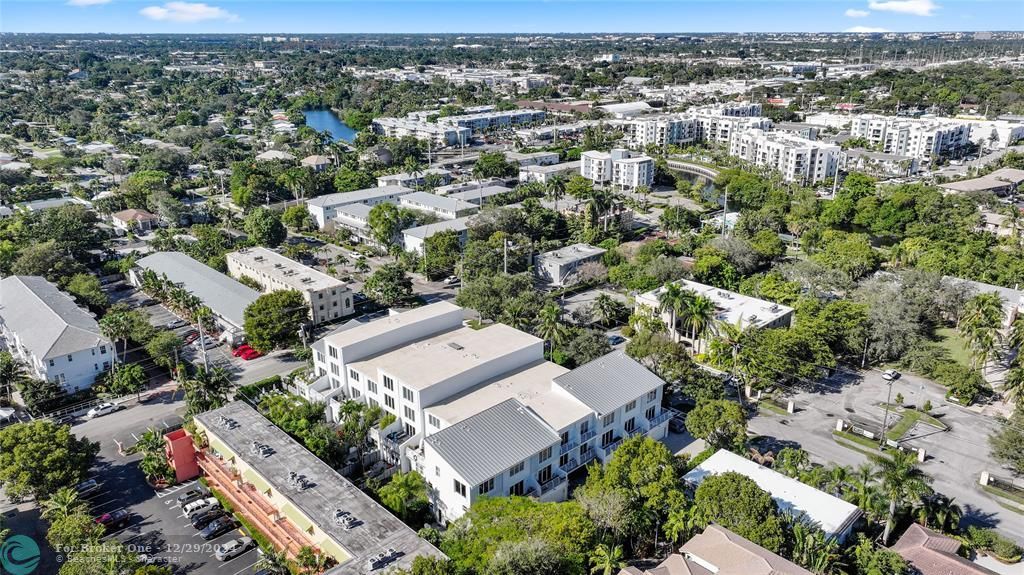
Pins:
x,y
251,354
241,350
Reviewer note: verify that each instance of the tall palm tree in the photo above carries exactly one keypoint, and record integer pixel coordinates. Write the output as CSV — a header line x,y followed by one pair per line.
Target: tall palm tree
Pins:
x,y
64,503
1016,335
606,560
12,372
980,324
514,315
674,301
729,335
404,492
555,188
940,513
1013,384
207,389
273,562
550,326
117,326
607,308
901,482
700,312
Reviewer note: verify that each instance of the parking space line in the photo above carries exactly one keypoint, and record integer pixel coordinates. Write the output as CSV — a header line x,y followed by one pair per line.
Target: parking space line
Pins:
x,y
104,504
134,537
174,489
247,567
238,557
121,530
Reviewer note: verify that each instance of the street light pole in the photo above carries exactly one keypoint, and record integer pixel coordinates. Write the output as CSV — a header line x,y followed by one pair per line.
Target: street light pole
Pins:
x,y
885,420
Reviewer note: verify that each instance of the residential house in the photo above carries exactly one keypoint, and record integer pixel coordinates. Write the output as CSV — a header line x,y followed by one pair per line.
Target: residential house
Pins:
x,y
557,267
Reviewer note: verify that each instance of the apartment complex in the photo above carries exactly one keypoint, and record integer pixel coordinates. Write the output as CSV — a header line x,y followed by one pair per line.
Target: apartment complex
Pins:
x,y
494,120
730,307
558,266
328,297
533,158
924,139
444,207
295,499
415,180
544,174
480,412
56,339
440,136
660,131
799,160
414,239
619,168
325,208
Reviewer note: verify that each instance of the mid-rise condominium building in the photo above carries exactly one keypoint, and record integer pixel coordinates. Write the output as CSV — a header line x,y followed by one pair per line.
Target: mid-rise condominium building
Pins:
x,y
440,136
925,139
618,168
480,412
494,120
56,339
798,160
328,297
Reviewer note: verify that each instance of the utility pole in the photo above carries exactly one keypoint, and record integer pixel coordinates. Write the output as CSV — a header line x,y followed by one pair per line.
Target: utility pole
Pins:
x,y
885,420
202,345
504,251
725,211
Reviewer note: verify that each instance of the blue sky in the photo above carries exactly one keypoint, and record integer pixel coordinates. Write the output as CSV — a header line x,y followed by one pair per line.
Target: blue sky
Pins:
x,y
489,16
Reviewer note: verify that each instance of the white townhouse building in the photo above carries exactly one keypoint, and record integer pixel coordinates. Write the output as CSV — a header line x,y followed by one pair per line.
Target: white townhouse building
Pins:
x,y
46,329
444,207
619,168
481,412
730,307
544,174
798,159
328,297
414,239
324,208
533,158
556,267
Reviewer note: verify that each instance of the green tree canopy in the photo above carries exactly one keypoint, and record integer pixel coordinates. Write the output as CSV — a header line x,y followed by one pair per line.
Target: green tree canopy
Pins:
x,y
389,285
264,227
273,320
735,502
40,457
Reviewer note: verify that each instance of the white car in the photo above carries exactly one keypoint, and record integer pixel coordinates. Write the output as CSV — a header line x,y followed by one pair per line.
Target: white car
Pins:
x,y
890,375
451,280
103,409
200,505
233,548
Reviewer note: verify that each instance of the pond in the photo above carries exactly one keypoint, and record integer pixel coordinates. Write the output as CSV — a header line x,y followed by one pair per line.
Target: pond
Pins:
x,y
325,120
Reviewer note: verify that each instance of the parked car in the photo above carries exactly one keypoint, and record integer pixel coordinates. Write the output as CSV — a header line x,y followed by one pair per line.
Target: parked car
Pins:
x,y
615,339
190,496
200,504
240,350
176,324
115,519
218,527
451,280
251,354
206,342
103,409
677,425
190,336
203,518
233,548
88,486
890,375
147,302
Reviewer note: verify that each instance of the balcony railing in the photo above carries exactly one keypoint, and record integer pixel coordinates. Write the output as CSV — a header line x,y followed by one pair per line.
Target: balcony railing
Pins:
x,y
577,462
551,484
567,447
585,437
608,449
660,418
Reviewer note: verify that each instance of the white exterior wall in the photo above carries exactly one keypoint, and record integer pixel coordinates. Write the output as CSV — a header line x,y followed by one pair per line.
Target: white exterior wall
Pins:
x,y
74,372
324,304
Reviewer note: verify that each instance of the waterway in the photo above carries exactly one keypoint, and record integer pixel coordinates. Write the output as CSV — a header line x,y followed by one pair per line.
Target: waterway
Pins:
x,y
325,120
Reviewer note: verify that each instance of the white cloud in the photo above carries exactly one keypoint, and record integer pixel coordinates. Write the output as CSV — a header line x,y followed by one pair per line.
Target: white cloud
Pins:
x,y
855,13
87,2
187,12
915,7
865,30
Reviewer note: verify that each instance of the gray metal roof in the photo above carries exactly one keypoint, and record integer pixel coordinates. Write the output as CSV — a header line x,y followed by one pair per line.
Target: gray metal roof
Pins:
x,y
226,297
48,322
488,443
330,491
427,230
609,382
432,201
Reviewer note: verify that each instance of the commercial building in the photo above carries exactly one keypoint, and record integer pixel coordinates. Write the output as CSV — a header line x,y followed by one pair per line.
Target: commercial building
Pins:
x,y
328,297
56,339
225,297
557,267
721,552
480,412
324,208
619,168
414,239
440,136
295,499
833,515
544,174
444,207
798,160
730,307
416,180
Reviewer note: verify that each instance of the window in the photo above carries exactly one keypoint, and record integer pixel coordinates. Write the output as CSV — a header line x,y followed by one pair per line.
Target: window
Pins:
x,y
565,437
410,414
432,420
584,427
319,357
51,363
353,375
607,437
652,395
649,414
389,401
545,454
69,357
94,352
321,307
630,424
371,386
517,468
584,449
355,393
608,419
563,459
319,296
437,471
486,486
631,405
103,349
348,303
334,369
460,488
95,367
373,402
332,351
406,393
544,475
389,383
516,489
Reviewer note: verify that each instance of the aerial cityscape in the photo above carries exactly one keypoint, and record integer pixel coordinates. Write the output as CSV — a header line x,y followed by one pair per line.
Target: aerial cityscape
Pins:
x,y
565,287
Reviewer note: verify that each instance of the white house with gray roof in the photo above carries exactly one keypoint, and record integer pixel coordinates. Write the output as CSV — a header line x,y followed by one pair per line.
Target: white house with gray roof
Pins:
x,y
444,207
481,412
325,208
45,328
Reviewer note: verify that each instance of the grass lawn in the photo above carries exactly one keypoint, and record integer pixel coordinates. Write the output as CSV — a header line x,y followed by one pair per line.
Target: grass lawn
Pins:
x,y
951,341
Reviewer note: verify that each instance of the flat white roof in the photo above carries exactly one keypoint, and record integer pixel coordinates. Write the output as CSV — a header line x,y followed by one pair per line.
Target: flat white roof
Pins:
x,y
423,363
531,385
286,270
730,306
832,514
386,324
431,201
357,196
569,254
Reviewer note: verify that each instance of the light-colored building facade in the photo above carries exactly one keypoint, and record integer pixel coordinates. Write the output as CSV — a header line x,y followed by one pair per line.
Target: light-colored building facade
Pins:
x,y
532,159
544,174
878,164
56,339
440,136
324,208
444,177
659,131
328,298
799,160
444,207
558,267
719,551
414,239
618,168
925,139
494,120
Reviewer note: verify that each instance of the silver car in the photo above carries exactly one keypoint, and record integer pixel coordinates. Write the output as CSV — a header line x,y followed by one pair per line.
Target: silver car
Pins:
x,y
233,548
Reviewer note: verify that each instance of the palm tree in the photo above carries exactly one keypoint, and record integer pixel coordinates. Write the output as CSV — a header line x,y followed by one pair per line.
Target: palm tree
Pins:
x,y
207,389
12,372
863,492
901,482
674,300
64,503
940,513
607,560
405,491
607,308
550,326
273,562
980,324
117,326
1013,384
1016,337
312,560
515,315
729,335
813,550
555,188
150,442
700,312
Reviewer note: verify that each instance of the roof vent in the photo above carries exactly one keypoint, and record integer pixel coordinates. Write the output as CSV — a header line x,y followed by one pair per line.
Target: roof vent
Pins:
x,y
455,346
